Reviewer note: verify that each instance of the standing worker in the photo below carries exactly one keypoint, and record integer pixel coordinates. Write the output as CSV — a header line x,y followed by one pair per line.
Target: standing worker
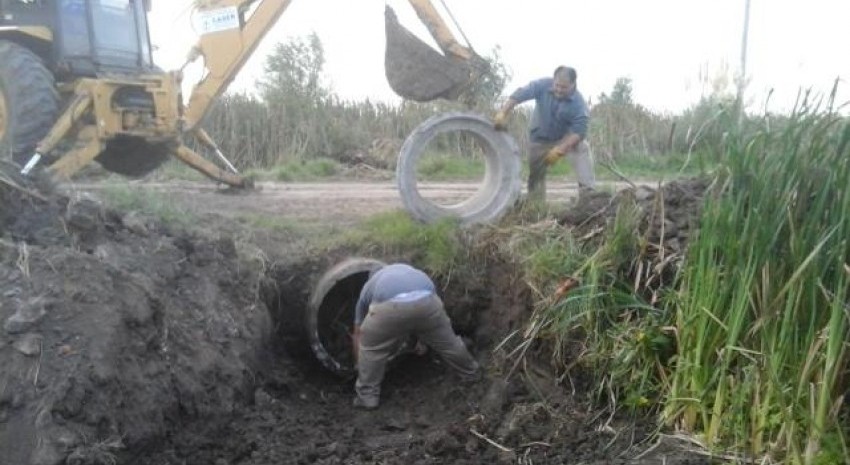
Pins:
x,y
558,127
397,301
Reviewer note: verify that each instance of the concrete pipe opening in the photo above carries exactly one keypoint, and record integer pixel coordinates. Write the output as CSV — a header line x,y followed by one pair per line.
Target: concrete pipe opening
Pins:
x,y
501,182
330,317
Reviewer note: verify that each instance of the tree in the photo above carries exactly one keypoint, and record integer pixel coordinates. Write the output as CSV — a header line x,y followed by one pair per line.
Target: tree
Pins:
x,y
293,71
296,99
621,94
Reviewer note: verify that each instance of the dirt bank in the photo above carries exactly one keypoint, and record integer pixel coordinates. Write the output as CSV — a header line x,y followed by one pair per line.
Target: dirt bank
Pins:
x,y
116,329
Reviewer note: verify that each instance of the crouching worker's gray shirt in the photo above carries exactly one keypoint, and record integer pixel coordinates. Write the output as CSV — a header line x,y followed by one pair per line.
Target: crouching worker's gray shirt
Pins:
x,y
392,282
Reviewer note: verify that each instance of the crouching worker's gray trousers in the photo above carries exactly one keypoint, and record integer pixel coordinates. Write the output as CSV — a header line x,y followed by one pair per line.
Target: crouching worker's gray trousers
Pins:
x,y
388,324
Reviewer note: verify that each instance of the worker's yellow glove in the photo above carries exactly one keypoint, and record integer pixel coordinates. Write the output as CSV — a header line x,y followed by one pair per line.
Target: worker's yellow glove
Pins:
x,y
553,155
500,121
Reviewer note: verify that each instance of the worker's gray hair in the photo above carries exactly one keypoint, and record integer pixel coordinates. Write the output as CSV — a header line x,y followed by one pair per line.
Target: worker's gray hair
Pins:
x,y
566,72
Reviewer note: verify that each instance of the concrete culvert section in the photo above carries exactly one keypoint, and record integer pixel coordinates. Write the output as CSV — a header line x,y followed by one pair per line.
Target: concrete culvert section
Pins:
x,y
330,317
501,182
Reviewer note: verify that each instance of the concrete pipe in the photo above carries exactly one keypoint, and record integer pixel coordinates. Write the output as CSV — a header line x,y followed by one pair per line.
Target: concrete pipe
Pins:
x,y
330,316
501,185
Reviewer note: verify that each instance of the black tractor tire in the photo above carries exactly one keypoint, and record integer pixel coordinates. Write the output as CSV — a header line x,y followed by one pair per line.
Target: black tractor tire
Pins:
x,y
30,101
133,157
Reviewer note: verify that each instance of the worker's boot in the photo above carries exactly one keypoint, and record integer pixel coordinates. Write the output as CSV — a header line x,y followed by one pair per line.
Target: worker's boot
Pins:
x,y
370,403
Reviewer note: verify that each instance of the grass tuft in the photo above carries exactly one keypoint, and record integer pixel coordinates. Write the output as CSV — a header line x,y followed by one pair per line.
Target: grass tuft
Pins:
x,y
121,196
299,171
437,247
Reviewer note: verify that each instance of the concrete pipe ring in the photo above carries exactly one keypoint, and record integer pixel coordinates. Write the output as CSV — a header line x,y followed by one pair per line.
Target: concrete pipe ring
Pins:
x,y
500,188
330,317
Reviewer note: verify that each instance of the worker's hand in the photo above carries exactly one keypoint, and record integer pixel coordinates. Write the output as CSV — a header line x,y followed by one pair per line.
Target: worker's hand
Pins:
x,y
553,155
500,121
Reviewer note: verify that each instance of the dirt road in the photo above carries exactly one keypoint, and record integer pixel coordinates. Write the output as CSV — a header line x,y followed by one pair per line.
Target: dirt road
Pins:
x,y
332,203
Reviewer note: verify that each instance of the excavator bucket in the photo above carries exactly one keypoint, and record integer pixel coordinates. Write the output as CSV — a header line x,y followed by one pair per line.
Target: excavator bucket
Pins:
x,y
415,71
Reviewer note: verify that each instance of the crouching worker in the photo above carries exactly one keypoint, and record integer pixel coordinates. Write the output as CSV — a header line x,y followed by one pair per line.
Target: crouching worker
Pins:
x,y
398,301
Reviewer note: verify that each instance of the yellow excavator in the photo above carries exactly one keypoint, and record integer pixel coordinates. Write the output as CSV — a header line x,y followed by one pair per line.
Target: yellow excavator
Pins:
x,y
78,83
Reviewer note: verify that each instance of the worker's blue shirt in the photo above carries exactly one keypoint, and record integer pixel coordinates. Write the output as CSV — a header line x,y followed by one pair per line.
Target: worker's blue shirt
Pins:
x,y
393,282
553,118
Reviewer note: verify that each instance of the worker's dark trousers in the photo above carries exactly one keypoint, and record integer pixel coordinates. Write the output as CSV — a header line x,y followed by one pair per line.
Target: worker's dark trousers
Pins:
x,y
388,324
580,159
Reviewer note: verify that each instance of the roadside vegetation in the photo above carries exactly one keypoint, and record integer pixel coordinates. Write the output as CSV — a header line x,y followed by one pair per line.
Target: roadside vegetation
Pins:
x,y
747,352
762,312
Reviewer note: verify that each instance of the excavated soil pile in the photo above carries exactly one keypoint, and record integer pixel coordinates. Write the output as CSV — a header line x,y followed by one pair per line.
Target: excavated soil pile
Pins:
x,y
666,215
115,329
666,218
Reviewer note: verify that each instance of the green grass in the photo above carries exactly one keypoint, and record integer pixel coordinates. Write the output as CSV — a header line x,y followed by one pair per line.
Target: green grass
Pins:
x,y
121,196
669,166
449,168
621,334
274,223
313,169
176,169
300,171
435,246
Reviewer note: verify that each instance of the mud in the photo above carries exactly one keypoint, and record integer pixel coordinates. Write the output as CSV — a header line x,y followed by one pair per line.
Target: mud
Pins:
x,y
665,219
666,213
127,341
116,330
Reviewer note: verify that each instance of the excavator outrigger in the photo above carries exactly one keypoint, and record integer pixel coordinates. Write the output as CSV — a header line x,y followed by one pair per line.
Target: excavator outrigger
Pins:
x,y
93,59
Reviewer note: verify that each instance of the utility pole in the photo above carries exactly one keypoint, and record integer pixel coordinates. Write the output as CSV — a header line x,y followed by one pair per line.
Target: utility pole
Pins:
x,y
742,76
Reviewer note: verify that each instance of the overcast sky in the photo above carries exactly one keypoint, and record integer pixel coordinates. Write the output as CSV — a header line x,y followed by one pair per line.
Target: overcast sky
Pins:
x,y
671,49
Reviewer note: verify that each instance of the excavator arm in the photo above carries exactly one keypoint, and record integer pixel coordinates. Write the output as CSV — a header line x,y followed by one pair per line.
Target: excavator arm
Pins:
x,y
232,29
228,38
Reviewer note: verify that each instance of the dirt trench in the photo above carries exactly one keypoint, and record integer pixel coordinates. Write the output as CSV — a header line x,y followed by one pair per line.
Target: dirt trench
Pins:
x,y
301,413
127,341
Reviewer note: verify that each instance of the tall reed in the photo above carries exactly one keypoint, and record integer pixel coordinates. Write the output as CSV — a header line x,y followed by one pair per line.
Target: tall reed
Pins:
x,y
762,317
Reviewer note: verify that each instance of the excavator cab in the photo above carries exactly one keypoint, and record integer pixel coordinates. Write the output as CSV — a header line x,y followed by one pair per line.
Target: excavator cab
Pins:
x,y
82,37
49,47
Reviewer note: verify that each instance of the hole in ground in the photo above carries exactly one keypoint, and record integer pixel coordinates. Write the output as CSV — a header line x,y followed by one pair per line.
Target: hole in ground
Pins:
x,y
314,317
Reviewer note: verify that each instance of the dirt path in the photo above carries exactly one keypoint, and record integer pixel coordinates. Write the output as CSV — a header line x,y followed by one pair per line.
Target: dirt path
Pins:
x,y
337,203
